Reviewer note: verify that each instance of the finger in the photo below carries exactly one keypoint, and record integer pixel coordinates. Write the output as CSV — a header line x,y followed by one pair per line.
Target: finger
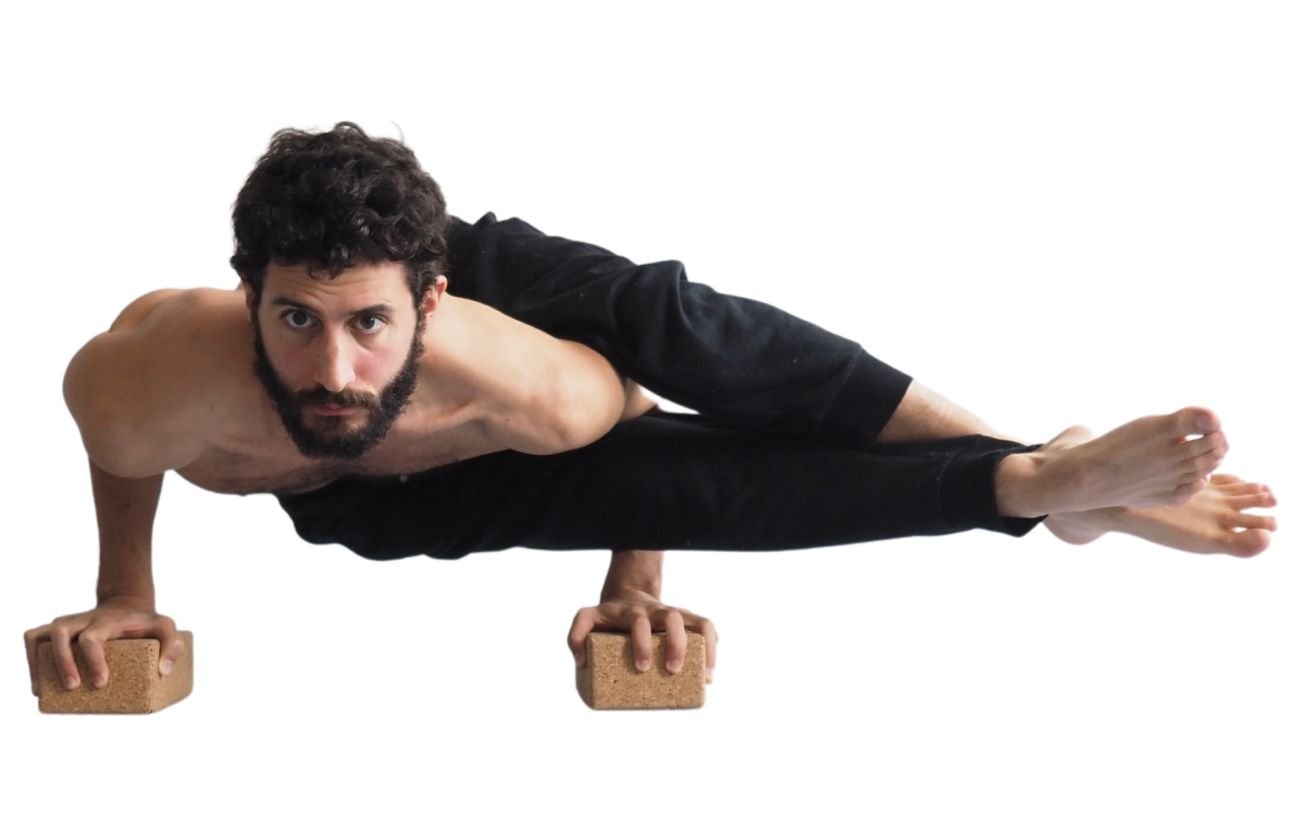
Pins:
x,y
91,640
641,651
64,663
106,628
172,645
583,623
32,639
675,634
705,628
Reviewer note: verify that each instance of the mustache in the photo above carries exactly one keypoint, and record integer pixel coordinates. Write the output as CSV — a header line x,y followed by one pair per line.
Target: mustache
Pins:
x,y
322,397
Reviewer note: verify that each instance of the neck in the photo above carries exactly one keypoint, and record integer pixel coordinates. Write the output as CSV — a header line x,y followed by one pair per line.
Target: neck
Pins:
x,y
448,390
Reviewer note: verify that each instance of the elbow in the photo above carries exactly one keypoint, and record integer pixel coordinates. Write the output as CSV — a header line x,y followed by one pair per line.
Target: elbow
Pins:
x,y
583,420
576,428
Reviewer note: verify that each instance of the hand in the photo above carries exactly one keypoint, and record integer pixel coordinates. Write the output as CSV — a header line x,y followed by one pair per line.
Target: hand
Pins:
x,y
639,612
115,617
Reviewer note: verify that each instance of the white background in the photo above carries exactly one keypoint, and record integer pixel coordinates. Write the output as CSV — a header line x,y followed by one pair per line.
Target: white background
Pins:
x,y
1050,213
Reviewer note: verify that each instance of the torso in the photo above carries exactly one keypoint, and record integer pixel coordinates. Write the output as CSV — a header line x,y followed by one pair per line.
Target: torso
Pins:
x,y
251,467
252,453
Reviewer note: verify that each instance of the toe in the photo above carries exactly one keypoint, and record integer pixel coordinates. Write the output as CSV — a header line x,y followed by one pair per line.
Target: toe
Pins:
x,y
1242,488
1202,466
1195,420
1257,500
1186,491
1212,443
1251,521
1248,543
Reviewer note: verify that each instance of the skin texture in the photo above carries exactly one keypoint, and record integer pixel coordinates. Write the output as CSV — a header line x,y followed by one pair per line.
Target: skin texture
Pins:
x,y
228,393
308,359
329,435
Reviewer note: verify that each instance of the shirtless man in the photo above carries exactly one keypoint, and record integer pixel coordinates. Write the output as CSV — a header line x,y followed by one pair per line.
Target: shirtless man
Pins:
x,y
298,381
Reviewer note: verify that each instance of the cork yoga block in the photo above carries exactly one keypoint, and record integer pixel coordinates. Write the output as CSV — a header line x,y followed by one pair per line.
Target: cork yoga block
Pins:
x,y
134,685
610,680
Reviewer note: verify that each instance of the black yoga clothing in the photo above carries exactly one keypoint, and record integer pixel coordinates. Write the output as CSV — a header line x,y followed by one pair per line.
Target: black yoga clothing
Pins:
x,y
781,455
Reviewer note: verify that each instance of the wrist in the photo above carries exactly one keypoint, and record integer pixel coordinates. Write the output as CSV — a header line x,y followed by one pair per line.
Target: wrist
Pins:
x,y
634,570
135,596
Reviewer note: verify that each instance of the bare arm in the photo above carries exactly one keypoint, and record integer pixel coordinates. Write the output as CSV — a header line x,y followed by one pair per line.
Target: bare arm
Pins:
x,y
636,570
143,393
124,607
99,386
117,389
125,510
542,394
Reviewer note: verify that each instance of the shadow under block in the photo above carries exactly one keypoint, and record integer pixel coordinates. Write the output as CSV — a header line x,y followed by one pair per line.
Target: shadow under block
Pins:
x,y
610,680
135,686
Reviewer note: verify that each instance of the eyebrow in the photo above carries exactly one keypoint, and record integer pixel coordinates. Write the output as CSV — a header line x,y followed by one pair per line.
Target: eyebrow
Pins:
x,y
377,309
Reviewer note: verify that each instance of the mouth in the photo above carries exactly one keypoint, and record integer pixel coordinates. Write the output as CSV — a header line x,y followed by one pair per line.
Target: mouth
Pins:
x,y
333,410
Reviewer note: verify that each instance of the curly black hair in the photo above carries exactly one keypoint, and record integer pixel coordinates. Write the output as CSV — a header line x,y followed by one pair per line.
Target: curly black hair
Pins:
x,y
337,198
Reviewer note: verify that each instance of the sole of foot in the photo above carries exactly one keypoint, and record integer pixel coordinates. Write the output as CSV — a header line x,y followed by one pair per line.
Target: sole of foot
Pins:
x,y
1214,521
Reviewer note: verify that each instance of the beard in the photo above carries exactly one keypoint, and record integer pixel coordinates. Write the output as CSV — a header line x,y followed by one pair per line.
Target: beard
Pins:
x,y
330,436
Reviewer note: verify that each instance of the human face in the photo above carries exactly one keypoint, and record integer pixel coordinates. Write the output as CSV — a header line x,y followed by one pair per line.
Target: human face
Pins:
x,y
339,358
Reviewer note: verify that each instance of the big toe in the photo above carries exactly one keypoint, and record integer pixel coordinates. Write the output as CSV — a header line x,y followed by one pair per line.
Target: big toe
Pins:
x,y
1248,543
1195,420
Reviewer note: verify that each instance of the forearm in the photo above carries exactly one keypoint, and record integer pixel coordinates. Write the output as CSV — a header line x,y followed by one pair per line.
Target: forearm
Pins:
x,y
634,569
125,510
635,401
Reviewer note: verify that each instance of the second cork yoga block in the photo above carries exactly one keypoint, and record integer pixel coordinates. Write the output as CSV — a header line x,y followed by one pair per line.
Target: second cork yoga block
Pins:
x,y
610,680
135,686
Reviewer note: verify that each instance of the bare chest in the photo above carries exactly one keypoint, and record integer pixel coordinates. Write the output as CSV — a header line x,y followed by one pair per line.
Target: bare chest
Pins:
x,y
274,466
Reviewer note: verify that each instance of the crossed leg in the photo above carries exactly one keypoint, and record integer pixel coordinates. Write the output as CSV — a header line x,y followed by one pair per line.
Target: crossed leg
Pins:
x,y
667,481
1204,514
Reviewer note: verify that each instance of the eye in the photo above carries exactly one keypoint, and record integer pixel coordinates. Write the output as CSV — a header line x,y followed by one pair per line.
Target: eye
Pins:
x,y
288,318
377,325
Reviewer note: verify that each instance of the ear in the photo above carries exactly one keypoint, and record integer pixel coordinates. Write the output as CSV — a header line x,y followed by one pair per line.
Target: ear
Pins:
x,y
248,294
433,295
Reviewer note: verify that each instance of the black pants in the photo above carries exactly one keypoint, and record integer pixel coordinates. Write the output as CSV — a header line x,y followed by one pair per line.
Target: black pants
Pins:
x,y
781,456
667,482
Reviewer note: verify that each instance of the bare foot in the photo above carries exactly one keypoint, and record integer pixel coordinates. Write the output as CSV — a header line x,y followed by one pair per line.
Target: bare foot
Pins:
x,y
1144,463
1207,523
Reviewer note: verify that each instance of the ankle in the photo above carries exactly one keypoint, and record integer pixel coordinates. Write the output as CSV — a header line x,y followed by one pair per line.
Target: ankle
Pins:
x,y
1016,483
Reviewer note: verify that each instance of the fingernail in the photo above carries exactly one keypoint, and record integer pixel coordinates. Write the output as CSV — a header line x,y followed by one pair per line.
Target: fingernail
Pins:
x,y
166,666
70,682
100,681
1207,424
643,664
674,665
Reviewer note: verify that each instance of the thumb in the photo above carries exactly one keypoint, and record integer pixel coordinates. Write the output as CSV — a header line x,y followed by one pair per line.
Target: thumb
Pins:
x,y
583,623
173,646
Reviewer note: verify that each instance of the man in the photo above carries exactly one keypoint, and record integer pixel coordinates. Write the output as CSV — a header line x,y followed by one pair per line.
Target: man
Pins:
x,y
397,418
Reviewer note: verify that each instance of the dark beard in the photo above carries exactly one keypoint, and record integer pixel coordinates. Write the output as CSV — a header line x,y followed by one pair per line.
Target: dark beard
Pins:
x,y
383,412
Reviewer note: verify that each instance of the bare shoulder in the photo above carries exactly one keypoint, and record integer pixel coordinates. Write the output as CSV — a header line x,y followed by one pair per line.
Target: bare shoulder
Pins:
x,y
541,394
148,394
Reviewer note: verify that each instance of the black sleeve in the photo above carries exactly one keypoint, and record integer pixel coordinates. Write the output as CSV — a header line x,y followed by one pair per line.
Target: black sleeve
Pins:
x,y
738,360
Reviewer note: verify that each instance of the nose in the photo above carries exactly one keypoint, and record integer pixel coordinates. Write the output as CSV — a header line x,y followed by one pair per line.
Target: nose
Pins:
x,y
334,369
